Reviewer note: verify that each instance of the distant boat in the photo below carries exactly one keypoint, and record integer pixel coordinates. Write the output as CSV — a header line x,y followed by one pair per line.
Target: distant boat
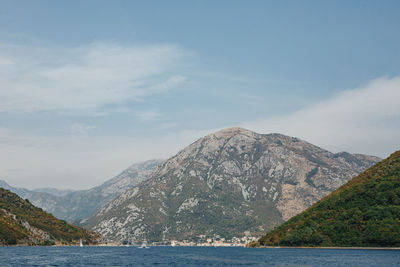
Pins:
x,y
173,244
80,243
144,245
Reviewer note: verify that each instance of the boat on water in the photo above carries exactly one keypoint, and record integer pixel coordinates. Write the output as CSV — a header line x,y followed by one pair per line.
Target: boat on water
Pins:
x,y
144,245
173,243
80,243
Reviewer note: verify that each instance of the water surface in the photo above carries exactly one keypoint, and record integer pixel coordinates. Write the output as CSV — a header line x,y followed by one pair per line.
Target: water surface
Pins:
x,y
193,256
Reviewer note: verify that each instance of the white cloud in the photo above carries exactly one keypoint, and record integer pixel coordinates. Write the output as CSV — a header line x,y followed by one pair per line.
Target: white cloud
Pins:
x,y
81,80
80,129
361,120
84,78
168,84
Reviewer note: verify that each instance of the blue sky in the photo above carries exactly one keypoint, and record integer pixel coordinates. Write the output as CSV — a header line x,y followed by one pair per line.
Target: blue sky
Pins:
x,y
89,87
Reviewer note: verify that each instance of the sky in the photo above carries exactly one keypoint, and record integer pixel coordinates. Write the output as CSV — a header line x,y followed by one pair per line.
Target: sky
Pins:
x,y
88,88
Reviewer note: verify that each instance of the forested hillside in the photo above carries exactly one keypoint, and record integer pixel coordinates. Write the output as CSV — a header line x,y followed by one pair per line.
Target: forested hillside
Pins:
x,y
363,212
22,223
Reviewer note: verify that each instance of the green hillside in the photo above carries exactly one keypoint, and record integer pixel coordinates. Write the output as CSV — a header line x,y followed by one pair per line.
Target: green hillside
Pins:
x,y
23,223
364,212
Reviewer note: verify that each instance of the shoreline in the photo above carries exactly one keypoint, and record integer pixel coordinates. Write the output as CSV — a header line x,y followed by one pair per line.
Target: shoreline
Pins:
x,y
349,248
263,247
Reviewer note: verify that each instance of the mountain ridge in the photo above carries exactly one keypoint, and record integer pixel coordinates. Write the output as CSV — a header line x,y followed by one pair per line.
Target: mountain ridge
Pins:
x,y
80,204
225,184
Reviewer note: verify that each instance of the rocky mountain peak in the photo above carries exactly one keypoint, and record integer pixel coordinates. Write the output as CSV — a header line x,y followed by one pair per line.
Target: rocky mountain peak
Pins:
x,y
227,183
229,132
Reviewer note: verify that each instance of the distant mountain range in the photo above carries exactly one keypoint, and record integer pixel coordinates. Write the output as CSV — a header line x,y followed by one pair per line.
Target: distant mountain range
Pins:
x,y
75,206
53,191
25,192
227,184
363,212
21,223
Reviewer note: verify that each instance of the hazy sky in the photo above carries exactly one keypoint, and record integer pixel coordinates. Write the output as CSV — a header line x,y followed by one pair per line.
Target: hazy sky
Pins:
x,y
89,87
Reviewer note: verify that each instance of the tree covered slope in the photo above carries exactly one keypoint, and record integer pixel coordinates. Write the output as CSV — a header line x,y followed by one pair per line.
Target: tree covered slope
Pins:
x,y
23,223
363,212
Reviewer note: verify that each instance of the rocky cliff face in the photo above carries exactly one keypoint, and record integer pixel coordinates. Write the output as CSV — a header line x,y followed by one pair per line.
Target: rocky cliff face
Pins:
x,y
228,183
78,205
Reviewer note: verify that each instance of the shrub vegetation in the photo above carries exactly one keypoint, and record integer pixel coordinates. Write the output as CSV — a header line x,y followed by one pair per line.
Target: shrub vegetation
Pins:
x,y
362,213
19,221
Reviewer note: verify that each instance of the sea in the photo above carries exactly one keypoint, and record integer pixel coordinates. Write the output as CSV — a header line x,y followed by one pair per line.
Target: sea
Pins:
x,y
194,256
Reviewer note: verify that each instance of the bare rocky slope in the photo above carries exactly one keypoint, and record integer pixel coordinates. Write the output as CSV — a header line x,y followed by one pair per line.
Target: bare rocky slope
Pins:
x,y
78,205
229,183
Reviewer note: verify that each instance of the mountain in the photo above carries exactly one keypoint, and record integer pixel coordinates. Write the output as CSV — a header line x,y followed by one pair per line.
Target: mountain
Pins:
x,y
78,205
22,192
19,191
40,199
363,212
228,184
83,204
24,224
53,191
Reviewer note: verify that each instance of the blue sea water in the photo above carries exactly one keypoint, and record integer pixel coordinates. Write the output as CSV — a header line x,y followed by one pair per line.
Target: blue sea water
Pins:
x,y
193,256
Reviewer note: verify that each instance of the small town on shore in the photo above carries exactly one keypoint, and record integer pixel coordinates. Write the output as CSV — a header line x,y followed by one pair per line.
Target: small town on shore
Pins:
x,y
215,241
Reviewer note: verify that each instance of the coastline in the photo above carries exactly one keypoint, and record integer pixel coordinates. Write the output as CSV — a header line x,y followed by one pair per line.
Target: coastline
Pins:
x,y
263,247
350,248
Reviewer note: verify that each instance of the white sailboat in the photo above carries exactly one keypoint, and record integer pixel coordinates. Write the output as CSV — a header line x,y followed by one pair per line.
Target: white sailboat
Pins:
x,y
80,243
144,245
